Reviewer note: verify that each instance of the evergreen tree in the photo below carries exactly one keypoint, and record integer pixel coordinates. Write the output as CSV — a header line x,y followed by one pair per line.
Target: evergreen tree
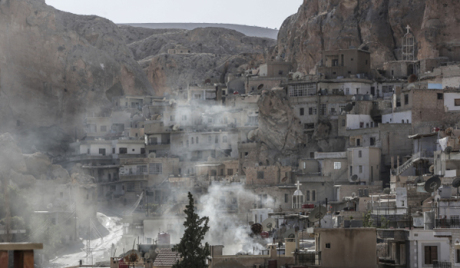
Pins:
x,y
192,253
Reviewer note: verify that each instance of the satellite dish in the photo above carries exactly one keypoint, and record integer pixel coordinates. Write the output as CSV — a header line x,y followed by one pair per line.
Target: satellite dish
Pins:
x,y
289,233
354,178
431,169
456,183
348,107
432,184
268,224
317,214
448,149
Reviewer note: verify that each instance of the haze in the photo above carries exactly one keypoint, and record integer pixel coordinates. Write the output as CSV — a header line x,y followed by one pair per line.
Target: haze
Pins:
x,y
263,13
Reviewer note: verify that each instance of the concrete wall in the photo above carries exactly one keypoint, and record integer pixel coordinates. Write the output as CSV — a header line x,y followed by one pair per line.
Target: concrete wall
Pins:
x,y
398,118
354,121
349,248
369,162
449,101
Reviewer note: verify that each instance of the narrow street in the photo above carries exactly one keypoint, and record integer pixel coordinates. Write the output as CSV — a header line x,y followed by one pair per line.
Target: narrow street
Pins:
x,y
100,246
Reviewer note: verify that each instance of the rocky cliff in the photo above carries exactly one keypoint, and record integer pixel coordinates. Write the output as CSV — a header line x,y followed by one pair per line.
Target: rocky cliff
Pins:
x,y
211,54
54,66
378,25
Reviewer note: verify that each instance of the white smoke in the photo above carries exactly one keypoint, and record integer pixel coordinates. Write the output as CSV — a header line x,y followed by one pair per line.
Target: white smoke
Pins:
x,y
231,229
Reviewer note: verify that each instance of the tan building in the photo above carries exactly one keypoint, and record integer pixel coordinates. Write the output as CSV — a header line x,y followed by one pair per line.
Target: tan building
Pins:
x,y
345,63
275,69
347,247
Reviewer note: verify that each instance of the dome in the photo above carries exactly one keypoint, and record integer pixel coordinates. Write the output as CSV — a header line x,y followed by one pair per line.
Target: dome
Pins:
x,y
297,193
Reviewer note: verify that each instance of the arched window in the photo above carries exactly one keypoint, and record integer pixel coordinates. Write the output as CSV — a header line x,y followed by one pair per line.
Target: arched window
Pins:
x,y
313,195
308,195
193,140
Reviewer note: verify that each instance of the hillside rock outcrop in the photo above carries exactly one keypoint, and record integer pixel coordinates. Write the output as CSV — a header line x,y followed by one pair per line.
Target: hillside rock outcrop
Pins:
x,y
377,25
279,128
54,66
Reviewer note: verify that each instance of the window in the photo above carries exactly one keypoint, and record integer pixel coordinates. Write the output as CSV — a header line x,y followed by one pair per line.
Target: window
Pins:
x,y
309,126
337,165
308,196
440,96
360,169
155,168
372,141
313,195
343,122
280,72
192,140
102,151
130,186
301,111
358,142
360,154
229,172
224,139
323,109
457,253
361,124
310,111
260,175
351,171
123,150
431,254
171,118
457,102
328,245
113,150
302,90
312,154
216,139
103,128
406,99
221,172
286,198
332,110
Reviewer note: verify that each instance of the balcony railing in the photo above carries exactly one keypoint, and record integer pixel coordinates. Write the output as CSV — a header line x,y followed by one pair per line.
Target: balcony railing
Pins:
x,y
447,223
308,258
441,264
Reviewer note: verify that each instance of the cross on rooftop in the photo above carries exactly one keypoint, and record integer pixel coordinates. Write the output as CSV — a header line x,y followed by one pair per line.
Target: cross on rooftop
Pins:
x,y
298,185
408,28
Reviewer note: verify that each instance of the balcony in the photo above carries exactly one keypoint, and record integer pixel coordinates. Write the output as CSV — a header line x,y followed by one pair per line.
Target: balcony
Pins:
x,y
308,258
134,177
447,223
441,264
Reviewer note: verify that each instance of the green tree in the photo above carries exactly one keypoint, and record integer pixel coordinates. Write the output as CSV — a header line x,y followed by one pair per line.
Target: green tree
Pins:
x,y
192,253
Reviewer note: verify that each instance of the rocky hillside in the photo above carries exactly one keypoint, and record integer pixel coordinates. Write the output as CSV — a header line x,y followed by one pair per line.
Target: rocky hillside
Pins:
x,y
245,29
213,53
378,24
54,66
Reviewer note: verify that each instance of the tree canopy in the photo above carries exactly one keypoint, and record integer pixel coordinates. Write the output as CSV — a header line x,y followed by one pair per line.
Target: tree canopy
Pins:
x,y
192,253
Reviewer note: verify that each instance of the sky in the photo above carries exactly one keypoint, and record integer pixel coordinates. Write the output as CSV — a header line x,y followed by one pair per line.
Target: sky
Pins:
x,y
264,13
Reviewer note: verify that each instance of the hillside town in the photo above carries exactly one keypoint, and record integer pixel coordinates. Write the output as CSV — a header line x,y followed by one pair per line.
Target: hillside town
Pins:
x,y
347,166
384,193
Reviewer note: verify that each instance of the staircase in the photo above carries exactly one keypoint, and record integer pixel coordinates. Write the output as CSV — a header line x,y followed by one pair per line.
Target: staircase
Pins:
x,y
404,166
